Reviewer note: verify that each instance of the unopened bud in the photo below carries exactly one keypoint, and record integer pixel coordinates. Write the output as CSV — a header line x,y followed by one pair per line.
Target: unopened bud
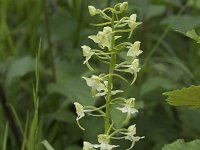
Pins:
x,y
92,10
123,6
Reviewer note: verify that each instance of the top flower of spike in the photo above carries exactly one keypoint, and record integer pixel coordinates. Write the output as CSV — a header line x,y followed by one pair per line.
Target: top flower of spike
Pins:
x,y
92,10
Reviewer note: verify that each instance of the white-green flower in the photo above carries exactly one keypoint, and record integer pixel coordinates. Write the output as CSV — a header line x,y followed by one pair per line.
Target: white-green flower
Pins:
x,y
128,66
103,38
105,91
133,67
130,135
95,82
92,10
134,49
129,107
87,53
132,21
88,146
79,111
104,141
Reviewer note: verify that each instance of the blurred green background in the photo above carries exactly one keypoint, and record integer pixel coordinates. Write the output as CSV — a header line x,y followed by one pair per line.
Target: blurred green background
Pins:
x,y
169,61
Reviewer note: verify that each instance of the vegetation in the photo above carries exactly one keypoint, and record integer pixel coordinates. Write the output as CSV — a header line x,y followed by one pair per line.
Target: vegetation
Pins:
x,y
40,84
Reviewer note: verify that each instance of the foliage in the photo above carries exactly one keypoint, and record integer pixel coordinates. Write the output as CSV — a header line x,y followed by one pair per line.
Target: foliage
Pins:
x,y
170,61
182,145
47,145
185,97
193,35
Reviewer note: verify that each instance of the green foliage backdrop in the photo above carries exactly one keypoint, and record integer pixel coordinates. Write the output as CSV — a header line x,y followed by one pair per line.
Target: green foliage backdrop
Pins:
x,y
170,61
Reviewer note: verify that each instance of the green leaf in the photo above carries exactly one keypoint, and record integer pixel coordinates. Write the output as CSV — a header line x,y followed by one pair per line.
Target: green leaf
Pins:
x,y
180,144
74,90
5,137
117,116
19,68
185,97
180,65
189,121
182,23
153,83
192,34
62,115
47,145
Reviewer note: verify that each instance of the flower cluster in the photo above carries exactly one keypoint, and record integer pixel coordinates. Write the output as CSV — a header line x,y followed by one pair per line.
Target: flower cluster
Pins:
x,y
104,139
102,84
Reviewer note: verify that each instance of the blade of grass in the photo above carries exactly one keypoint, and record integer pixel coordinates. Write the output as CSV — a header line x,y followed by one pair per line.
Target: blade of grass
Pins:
x,y
5,137
24,142
47,145
33,136
16,117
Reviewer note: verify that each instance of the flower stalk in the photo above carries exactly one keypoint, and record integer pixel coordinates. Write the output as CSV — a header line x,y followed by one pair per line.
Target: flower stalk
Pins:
x,y
111,71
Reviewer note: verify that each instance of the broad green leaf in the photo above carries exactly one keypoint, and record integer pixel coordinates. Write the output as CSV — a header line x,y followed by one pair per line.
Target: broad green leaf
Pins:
x,y
74,90
69,84
179,64
93,126
154,83
19,68
62,116
47,145
189,121
192,34
180,144
182,23
117,116
184,97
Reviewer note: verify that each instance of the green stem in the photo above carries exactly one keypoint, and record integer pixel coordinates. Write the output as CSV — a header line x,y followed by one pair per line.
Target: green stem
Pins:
x,y
111,70
122,31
